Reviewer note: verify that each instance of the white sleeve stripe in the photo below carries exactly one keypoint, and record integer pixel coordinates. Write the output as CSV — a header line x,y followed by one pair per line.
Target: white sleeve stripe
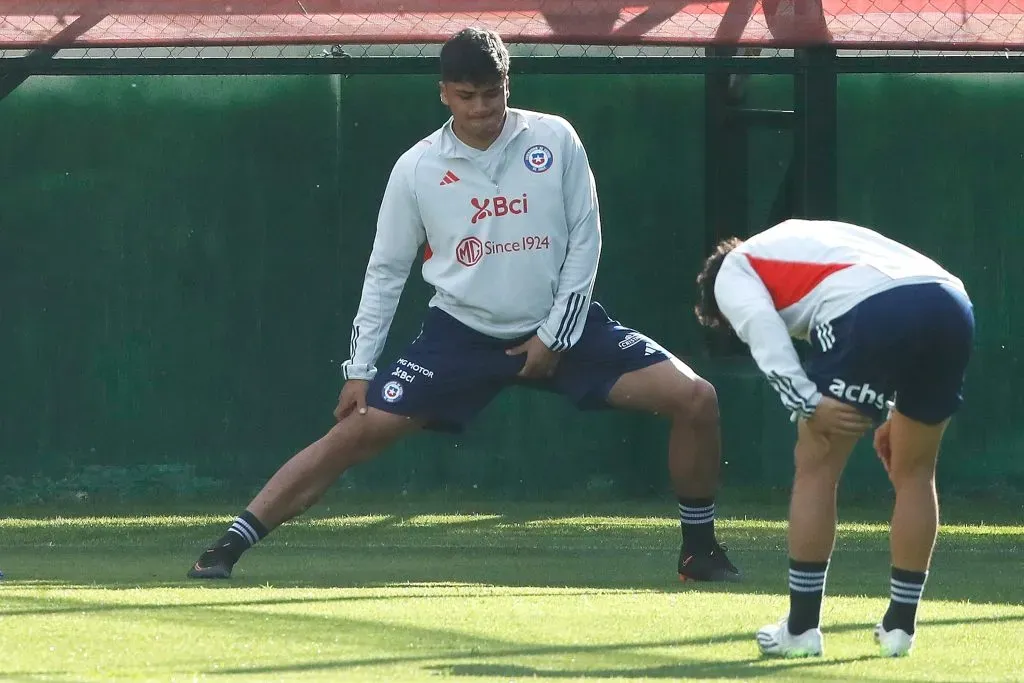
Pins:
x,y
786,384
787,398
790,397
791,401
806,404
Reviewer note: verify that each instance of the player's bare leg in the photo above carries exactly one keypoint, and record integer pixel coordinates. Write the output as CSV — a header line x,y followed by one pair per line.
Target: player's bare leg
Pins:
x,y
673,390
915,520
819,461
812,510
913,453
309,473
302,481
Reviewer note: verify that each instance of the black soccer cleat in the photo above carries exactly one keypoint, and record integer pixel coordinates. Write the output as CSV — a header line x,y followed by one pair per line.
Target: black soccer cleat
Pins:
x,y
707,565
211,565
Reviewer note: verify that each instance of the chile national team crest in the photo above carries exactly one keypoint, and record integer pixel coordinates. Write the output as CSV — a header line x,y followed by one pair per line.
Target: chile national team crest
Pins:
x,y
538,158
392,392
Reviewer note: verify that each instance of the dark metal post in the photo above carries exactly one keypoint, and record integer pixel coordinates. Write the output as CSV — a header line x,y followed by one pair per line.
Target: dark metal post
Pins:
x,y
725,158
816,140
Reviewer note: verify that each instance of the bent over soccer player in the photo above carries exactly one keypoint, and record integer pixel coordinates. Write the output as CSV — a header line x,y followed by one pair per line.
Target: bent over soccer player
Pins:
x,y
503,204
885,324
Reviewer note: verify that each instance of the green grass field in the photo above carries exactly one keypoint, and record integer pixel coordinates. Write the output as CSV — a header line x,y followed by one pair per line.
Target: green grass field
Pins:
x,y
416,591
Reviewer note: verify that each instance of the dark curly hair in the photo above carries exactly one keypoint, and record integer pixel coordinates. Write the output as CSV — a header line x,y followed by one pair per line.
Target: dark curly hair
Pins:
x,y
708,313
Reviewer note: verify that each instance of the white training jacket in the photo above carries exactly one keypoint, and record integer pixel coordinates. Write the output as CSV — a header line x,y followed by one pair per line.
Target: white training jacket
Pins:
x,y
789,279
511,236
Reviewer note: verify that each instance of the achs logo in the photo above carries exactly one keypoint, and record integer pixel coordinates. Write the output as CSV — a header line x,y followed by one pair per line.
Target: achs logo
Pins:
x,y
469,251
858,393
538,158
498,206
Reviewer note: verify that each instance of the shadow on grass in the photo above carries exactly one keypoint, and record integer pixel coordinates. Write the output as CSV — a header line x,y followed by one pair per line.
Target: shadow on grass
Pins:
x,y
531,545
743,669
733,503
23,605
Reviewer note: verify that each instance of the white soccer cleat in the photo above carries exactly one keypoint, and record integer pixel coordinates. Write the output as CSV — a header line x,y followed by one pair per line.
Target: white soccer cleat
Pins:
x,y
775,640
894,643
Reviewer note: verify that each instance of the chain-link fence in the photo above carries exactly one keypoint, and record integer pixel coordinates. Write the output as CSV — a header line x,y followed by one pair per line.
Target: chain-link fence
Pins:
x,y
431,50
375,50
373,26
519,50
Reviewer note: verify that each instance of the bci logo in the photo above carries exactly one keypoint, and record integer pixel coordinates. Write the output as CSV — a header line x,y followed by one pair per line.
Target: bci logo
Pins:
x,y
498,206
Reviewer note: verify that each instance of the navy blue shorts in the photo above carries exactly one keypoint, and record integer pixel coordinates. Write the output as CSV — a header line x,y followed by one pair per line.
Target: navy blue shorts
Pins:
x,y
450,372
910,344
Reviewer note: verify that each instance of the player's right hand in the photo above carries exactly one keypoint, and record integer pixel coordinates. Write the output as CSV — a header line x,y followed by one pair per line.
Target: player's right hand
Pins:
x,y
834,417
352,398
540,360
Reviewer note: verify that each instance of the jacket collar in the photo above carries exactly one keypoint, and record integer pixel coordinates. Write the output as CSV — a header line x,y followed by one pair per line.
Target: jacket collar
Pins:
x,y
451,149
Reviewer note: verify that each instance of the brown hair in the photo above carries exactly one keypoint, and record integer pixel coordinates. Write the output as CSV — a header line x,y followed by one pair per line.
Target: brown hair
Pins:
x,y
707,309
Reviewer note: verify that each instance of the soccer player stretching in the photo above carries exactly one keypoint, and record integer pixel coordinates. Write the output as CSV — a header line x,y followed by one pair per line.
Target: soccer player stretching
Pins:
x,y
503,206
888,327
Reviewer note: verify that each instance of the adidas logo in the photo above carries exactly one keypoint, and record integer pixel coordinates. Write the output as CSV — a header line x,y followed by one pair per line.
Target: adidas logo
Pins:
x,y
449,178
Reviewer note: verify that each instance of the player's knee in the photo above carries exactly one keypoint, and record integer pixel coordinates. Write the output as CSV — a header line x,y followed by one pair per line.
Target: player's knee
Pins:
x,y
699,404
915,450
911,471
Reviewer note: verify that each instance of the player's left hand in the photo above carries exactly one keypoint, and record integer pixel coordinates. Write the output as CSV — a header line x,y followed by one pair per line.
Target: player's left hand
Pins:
x,y
540,360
